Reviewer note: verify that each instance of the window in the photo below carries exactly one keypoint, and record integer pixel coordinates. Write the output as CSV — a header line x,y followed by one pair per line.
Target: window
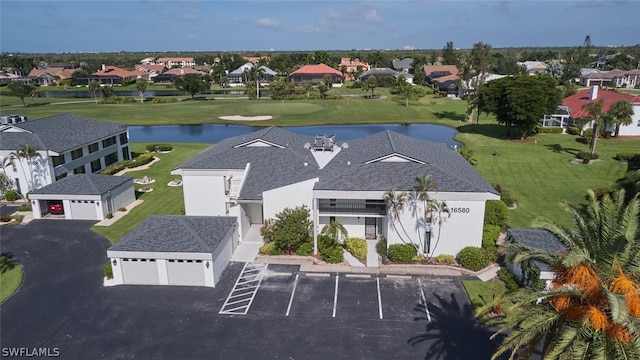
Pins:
x,y
124,138
77,153
57,160
125,153
64,175
111,159
93,147
79,170
96,166
108,142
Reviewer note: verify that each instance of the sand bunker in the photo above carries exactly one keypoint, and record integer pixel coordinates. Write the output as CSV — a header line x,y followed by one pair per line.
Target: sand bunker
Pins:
x,y
246,118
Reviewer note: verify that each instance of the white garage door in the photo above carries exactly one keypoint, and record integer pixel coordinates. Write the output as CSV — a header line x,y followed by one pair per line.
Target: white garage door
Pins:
x,y
140,271
83,210
185,272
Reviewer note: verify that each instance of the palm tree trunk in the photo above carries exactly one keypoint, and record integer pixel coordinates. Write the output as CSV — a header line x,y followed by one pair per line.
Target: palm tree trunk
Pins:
x,y
594,139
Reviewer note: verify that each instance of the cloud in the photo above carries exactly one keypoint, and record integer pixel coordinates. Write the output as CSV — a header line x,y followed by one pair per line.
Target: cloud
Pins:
x,y
268,23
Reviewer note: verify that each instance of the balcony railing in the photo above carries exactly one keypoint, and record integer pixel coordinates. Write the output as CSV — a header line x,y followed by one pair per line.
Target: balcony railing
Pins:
x,y
368,208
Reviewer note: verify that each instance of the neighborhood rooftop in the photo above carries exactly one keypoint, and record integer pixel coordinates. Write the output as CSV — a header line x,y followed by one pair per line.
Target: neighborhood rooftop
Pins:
x,y
84,184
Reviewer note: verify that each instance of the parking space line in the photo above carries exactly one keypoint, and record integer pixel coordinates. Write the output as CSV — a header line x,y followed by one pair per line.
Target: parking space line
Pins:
x,y
398,277
335,297
318,274
295,283
424,302
358,276
279,274
379,298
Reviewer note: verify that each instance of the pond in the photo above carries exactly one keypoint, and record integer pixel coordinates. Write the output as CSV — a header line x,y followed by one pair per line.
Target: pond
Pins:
x,y
212,133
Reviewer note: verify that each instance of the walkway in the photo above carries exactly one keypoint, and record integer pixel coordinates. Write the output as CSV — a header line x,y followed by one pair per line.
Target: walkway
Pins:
x,y
249,247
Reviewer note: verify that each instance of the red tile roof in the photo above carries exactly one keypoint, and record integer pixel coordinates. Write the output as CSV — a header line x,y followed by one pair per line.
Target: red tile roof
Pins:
x,y
317,70
430,69
115,71
576,101
175,59
149,68
442,79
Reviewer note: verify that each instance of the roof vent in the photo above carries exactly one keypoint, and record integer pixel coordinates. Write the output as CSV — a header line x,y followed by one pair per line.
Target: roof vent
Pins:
x,y
345,145
306,163
348,162
324,142
307,146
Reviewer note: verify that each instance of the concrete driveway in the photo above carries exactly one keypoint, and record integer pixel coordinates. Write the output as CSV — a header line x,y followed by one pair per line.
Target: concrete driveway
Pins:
x,y
63,305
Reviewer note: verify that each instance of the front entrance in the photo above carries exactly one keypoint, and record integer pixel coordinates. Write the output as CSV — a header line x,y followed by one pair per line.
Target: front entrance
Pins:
x,y
370,228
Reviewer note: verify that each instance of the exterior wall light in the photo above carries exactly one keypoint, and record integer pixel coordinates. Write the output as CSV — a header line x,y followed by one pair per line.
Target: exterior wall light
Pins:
x,y
206,264
115,262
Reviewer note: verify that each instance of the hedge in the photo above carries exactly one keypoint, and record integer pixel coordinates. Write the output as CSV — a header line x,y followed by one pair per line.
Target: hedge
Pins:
x,y
139,161
11,195
587,155
270,248
549,130
572,130
305,249
474,258
402,253
164,100
357,248
625,156
496,213
333,254
490,234
508,278
108,270
159,147
118,100
446,259
381,247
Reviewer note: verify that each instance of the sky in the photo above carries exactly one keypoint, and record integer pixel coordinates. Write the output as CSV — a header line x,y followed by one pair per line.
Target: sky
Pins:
x,y
53,26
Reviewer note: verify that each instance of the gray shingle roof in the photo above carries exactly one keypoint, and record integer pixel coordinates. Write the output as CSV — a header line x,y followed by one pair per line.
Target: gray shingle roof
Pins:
x,y
378,72
402,64
274,167
84,184
198,234
537,239
60,133
241,69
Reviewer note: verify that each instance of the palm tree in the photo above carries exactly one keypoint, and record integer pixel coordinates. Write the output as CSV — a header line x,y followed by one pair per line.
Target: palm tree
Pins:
x,y
395,204
594,109
255,73
335,230
592,309
404,88
141,85
94,87
440,209
28,153
621,112
423,185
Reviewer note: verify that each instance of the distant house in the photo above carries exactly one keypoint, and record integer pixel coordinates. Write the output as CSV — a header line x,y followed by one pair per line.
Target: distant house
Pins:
x,y
171,75
5,77
574,103
255,59
615,78
379,73
113,75
446,76
533,67
403,64
315,74
351,66
171,62
148,61
152,70
534,239
50,76
236,77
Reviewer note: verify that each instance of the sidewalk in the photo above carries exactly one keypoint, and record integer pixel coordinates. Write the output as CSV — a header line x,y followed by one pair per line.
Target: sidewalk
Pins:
x,y
119,214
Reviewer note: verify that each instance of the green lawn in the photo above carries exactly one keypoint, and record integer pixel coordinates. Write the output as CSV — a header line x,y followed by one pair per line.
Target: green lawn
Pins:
x,y
482,293
10,277
163,200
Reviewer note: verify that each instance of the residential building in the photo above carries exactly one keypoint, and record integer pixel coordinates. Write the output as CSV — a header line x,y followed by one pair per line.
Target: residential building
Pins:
x,y
171,62
66,145
533,67
629,79
446,77
315,74
148,61
170,75
402,64
152,70
237,78
351,66
535,239
5,77
113,75
379,73
51,75
254,177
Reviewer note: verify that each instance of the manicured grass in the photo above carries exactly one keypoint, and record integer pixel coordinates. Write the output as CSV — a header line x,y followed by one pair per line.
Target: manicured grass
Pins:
x,y
10,277
482,293
163,200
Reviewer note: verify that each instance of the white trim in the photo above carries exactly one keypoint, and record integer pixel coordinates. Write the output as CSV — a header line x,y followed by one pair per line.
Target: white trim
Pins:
x,y
259,142
390,157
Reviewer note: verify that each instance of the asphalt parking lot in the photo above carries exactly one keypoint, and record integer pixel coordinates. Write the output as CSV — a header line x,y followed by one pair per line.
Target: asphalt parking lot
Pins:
x,y
63,305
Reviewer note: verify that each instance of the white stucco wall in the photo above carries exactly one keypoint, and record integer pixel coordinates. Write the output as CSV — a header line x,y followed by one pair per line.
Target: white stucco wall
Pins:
x,y
121,196
42,171
290,196
634,128
203,195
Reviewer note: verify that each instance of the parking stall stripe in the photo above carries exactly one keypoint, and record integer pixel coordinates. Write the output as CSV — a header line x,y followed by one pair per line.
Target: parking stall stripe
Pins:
x,y
424,301
379,298
335,297
295,283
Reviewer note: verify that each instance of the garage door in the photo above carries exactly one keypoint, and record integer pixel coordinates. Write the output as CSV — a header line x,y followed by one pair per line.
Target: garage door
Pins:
x,y
83,210
185,272
140,271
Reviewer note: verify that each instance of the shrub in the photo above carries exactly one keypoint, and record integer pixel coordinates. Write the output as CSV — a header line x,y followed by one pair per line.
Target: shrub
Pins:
x,y
11,195
548,130
587,155
122,209
357,247
446,259
325,241
159,147
508,279
587,135
381,247
586,161
108,270
270,248
572,130
5,218
305,249
507,197
117,100
25,208
333,254
624,156
291,228
473,258
109,215
164,99
402,253
490,234
139,161
496,213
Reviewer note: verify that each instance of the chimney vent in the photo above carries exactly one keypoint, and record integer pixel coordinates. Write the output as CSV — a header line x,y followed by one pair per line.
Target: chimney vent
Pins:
x,y
594,92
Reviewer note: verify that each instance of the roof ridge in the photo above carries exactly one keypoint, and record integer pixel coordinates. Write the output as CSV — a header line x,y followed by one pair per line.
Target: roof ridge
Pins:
x,y
183,223
90,179
393,144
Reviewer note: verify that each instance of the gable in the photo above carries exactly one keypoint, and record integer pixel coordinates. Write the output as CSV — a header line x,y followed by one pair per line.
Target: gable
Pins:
x,y
395,157
259,143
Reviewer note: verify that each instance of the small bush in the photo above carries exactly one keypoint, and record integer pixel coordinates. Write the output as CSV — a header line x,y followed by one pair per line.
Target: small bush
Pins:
x,y
572,130
587,135
507,197
164,99
25,208
122,209
333,254
139,161
381,247
11,195
587,155
108,270
109,216
508,279
496,213
624,156
117,100
402,253
490,234
325,242
446,259
5,218
586,161
305,249
159,147
473,258
549,130
357,248
270,249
